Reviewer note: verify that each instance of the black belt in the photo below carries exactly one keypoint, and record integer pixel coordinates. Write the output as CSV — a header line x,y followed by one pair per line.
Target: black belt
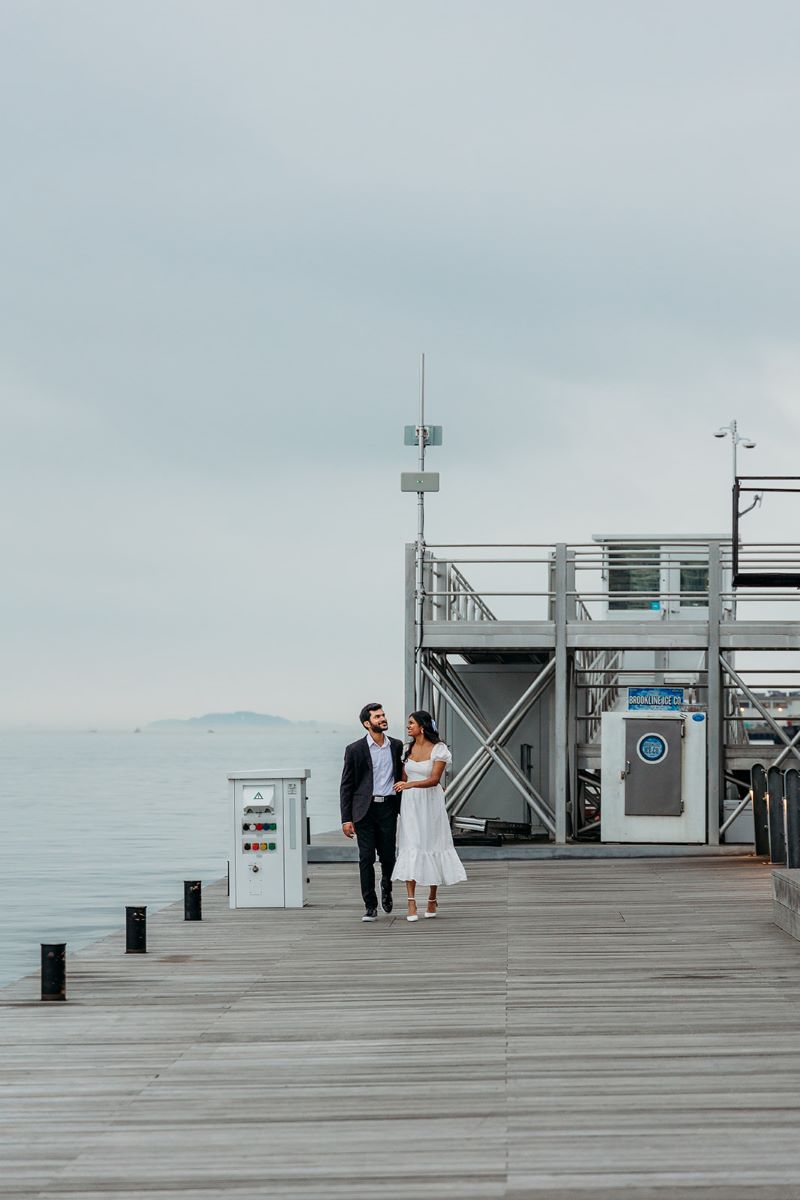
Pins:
x,y
380,799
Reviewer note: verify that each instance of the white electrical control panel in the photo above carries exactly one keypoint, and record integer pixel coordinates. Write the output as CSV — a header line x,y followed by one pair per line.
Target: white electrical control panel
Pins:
x,y
269,854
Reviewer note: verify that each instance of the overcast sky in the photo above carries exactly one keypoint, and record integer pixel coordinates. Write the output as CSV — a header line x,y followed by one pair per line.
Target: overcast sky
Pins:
x,y
229,230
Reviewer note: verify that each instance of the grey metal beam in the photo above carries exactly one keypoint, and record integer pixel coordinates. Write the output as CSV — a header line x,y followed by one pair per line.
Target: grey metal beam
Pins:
x,y
740,807
572,745
760,635
455,636
410,630
560,709
714,724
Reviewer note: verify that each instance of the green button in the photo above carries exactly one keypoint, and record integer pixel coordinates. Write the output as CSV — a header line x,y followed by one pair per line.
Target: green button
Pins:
x,y
272,846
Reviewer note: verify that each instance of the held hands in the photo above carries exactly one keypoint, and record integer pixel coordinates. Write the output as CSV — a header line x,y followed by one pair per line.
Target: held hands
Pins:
x,y
402,785
348,829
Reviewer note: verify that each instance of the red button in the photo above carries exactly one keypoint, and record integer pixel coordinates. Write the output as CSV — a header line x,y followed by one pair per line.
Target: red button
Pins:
x,y
259,826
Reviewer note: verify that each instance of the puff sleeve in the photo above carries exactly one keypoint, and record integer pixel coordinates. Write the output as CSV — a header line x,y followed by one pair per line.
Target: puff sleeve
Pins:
x,y
440,753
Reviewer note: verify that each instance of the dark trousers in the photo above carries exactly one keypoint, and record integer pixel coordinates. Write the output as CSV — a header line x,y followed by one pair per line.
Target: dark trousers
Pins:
x,y
376,832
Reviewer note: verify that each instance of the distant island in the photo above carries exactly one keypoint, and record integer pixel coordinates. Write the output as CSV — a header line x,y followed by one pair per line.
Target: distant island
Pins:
x,y
224,722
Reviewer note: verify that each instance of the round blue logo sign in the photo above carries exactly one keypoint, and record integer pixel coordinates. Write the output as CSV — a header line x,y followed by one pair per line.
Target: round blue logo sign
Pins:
x,y
652,748
698,717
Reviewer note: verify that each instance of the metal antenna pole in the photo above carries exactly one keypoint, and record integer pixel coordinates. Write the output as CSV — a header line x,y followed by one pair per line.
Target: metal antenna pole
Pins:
x,y
420,547
734,442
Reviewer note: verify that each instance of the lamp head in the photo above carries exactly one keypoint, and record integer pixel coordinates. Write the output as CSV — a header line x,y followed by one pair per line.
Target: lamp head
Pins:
x,y
749,445
722,433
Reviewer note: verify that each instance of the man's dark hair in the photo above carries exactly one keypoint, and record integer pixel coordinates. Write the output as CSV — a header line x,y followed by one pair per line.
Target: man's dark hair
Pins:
x,y
366,710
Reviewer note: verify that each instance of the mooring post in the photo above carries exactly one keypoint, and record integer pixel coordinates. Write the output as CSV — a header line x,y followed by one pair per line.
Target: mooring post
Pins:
x,y
758,782
777,841
54,970
192,901
792,790
136,929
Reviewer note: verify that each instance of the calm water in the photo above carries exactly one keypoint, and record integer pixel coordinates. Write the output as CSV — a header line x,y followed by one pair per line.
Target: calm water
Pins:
x,y
92,822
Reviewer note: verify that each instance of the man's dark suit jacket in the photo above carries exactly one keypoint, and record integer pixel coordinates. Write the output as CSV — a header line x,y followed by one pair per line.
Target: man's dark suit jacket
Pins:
x,y
355,793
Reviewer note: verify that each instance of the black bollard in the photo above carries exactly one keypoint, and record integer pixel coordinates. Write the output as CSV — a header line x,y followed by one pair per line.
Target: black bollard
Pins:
x,y
192,902
792,788
136,929
758,782
777,841
54,970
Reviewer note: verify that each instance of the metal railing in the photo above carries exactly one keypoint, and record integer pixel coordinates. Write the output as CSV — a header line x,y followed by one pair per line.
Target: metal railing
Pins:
x,y
587,621
462,603
625,582
598,688
666,581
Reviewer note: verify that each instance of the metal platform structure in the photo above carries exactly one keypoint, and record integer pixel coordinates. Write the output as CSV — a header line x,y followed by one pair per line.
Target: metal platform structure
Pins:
x,y
520,649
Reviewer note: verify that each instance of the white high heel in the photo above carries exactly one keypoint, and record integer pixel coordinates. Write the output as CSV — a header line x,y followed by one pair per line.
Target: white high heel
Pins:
x,y
435,904
413,917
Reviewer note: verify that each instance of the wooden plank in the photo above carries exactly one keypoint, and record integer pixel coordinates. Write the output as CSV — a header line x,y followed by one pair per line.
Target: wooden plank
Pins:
x,y
564,1028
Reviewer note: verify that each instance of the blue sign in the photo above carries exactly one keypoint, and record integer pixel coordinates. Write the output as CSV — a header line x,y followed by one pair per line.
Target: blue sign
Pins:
x,y
655,697
652,748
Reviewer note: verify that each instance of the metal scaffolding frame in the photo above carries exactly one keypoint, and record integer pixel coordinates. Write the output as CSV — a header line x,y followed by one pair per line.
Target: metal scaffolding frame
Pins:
x,y
449,623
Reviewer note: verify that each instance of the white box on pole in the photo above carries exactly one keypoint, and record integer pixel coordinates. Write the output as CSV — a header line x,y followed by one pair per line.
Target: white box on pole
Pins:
x,y
269,854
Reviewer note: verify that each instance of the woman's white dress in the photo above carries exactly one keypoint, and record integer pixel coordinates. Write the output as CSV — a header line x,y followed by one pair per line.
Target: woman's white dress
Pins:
x,y
425,850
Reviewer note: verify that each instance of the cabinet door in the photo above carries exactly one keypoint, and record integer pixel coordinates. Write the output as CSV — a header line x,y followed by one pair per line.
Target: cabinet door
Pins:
x,y
653,768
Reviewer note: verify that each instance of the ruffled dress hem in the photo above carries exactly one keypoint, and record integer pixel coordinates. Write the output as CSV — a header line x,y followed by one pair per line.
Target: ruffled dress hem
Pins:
x,y
431,867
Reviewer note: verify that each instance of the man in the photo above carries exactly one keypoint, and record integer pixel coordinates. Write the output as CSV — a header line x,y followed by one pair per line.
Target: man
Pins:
x,y
370,806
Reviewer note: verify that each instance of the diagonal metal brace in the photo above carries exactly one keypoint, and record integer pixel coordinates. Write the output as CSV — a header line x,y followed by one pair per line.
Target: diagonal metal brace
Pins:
x,y
473,770
522,787
467,700
791,745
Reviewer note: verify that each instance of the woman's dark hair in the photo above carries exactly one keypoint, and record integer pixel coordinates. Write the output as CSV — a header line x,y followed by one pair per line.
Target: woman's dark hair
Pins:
x,y
425,720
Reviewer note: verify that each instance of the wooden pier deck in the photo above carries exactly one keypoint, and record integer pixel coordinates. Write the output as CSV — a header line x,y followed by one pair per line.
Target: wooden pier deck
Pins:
x,y
564,1029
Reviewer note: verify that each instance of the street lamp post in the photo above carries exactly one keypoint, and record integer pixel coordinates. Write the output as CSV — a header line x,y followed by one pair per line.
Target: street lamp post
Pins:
x,y
732,430
737,439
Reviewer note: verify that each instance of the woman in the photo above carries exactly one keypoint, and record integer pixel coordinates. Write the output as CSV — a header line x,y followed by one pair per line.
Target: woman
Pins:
x,y
425,850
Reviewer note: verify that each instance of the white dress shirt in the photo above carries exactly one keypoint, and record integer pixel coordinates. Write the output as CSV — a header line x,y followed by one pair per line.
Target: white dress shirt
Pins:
x,y
382,766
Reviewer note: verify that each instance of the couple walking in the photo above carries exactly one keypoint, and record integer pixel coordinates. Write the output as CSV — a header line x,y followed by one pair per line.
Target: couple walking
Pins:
x,y
382,780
